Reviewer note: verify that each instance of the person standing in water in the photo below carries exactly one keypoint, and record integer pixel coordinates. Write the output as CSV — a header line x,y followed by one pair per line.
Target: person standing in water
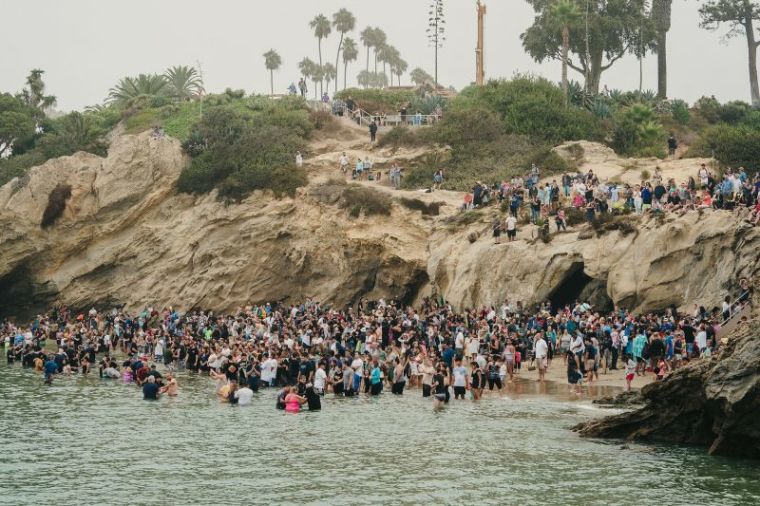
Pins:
x,y
50,368
440,387
459,373
150,389
293,401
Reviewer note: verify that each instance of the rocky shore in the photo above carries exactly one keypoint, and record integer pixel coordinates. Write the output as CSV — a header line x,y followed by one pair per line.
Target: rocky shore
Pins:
x,y
713,403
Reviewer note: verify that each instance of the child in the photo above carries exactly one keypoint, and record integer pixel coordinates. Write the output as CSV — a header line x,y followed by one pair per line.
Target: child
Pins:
x,y
630,371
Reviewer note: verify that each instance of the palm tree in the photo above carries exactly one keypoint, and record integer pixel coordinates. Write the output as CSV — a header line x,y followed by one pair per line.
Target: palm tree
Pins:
x,y
398,67
307,67
272,61
183,82
364,78
343,22
565,14
661,10
133,87
368,39
420,77
321,26
350,53
380,41
317,75
329,72
386,54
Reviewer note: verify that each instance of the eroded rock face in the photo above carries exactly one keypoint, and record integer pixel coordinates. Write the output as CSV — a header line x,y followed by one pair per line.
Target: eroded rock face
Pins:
x,y
127,237
712,403
681,261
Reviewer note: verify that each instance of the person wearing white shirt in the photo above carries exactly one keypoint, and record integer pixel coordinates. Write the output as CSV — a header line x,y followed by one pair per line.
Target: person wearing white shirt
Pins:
x,y
459,343
269,371
320,378
541,351
243,396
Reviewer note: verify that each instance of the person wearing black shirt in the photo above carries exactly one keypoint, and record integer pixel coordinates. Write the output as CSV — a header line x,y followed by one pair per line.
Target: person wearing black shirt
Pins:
x,y
150,389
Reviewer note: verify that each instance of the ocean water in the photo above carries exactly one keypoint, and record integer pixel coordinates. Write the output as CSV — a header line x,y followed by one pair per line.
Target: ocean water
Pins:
x,y
92,441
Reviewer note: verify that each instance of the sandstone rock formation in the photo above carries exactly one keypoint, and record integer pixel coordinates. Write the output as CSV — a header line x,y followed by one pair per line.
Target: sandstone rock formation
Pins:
x,y
713,402
126,236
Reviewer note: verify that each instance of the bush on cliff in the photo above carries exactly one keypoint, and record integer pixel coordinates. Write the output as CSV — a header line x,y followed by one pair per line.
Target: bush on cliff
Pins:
x,y
534,107
733,146
239,152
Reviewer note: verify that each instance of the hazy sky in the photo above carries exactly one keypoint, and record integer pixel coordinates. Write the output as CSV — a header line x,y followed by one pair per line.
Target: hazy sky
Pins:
x,y
85,46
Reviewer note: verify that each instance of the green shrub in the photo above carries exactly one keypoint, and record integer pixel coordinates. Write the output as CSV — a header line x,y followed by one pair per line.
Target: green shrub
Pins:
x,y
680,112
709,109
378,100
645,175
534,107
466,126
734,112
402,136
638,132
734,146
242,151
56,205
361,200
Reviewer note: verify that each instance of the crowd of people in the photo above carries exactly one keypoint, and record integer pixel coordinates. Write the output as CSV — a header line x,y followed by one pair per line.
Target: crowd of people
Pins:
x,y
311,349
550,201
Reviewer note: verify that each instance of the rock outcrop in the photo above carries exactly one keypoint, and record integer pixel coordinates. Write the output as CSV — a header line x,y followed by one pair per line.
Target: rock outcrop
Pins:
x,y
713,403
126,236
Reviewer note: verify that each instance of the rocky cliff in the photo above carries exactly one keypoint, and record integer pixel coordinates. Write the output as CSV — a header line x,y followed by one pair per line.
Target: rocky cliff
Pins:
x,y
126,236
713,403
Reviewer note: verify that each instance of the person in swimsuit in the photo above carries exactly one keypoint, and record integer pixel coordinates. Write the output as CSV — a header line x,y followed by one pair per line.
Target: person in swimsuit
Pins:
x,y
509,359
293,402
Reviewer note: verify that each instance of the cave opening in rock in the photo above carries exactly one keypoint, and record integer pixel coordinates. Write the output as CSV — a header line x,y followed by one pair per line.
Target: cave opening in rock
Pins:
x,y
579,286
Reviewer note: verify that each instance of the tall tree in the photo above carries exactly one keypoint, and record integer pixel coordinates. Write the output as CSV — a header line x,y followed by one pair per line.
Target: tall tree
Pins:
x,y
350,53
380,39
368,39
183,82
321,26
34,93
317,76
343,22
740,16
612,29
661,11
420,77
436,30
272,61
387,54
17,121
330,73
566,15
398,67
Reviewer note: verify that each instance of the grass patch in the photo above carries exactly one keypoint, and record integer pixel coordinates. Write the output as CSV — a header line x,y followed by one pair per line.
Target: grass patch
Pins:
x,y
607,222
431,209
359,200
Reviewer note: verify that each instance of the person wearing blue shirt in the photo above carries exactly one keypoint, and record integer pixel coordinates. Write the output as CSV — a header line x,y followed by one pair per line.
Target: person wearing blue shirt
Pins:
x,y
50,368
376,379
448,355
